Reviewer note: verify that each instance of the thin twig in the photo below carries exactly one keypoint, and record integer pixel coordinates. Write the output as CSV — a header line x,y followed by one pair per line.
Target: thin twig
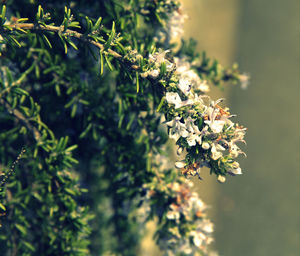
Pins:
x,y
12,168
70,33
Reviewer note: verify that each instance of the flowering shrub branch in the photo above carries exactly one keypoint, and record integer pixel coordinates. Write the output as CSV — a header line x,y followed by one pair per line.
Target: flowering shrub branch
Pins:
x,y
204,130
119,117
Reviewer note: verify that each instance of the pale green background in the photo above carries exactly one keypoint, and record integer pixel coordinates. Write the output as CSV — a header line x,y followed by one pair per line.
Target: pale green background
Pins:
x,y
258,213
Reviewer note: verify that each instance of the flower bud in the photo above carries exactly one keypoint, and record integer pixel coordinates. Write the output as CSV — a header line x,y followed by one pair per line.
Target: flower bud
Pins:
x,y
154,73
145,74
179,151
235,165
221,178
179,165
205,145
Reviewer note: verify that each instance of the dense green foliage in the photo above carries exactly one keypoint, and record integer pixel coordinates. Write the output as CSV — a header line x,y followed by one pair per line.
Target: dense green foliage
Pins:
x,y
81,94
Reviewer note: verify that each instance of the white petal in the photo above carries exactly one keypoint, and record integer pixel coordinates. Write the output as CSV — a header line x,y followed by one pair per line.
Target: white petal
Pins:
x,y
184,133
173,215
184,86
216,155
173,98
179,165
179,151
191,140
170,123
237,171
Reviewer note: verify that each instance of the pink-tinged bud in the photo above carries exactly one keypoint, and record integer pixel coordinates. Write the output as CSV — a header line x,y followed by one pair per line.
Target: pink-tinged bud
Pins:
x,y
179,151
179,165
235,165
221,178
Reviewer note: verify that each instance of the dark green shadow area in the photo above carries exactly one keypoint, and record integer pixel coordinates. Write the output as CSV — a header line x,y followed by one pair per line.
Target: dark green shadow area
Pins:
x,y
259,212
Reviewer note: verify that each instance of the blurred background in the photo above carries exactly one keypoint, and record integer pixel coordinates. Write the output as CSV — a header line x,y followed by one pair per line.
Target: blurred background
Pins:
x,y
257,213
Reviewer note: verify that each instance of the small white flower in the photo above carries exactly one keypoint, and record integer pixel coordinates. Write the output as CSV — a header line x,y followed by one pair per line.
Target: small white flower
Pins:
x,y
174,98
169,65
215,154
189,76
198,238
158,57
215,125
235,171
194,134
177,129
192,139
174,213
202,235
185,86
193,100
190,126
234,150
197,203
207,226
201,134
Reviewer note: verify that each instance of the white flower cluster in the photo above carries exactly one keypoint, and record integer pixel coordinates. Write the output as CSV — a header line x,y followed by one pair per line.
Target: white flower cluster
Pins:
x,y
175,24
173,29
184,226
209,129
187,208
189,78
203,129
198,124
198,121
